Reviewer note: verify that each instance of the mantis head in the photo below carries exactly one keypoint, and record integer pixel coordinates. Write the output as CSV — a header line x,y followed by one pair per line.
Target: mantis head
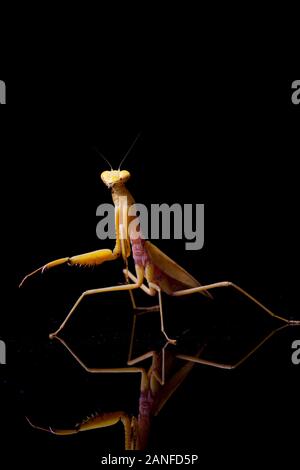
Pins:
x,y
115,177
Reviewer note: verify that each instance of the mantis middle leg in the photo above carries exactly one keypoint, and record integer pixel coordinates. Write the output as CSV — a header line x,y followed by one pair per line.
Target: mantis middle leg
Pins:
x,y
126,287
151,291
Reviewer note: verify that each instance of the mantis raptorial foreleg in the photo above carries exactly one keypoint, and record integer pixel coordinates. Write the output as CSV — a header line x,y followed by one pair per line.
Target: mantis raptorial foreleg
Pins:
x,y
93,258
102,420
241,291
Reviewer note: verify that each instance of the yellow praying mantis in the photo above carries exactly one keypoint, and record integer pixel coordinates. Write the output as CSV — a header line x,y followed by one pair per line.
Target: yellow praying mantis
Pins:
x,y
161,272
157,385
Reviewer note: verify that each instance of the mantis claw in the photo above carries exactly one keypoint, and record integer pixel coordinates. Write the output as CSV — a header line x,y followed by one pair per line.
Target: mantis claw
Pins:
x,y
43,268
170,340
50,430
31,274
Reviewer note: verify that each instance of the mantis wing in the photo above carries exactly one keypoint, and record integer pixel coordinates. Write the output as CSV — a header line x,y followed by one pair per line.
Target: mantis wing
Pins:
x,y
168,274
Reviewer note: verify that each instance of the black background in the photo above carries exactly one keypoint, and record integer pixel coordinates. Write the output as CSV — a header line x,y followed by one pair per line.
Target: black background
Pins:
x,y
230,143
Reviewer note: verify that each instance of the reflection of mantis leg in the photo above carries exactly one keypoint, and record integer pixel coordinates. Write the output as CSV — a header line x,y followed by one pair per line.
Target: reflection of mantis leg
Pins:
x,y
174,381
157,358
241,291
220,365
158,368
114,370
139,281
102,420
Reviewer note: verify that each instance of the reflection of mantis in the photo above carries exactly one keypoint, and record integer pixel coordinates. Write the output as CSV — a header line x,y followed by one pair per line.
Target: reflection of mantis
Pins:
x,y
160,271
157,385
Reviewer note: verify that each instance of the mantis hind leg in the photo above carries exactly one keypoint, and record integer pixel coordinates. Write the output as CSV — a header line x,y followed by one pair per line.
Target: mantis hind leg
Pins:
x,y
242,292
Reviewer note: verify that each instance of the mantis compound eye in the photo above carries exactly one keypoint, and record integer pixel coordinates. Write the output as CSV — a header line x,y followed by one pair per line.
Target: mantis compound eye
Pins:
x,y
124,175
106,177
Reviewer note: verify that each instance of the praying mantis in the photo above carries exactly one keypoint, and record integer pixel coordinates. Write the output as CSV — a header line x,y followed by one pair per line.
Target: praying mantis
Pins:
x,y
161,272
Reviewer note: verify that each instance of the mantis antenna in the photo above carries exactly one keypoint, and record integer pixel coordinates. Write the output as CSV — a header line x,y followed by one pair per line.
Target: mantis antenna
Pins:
x,y
128,151
102,156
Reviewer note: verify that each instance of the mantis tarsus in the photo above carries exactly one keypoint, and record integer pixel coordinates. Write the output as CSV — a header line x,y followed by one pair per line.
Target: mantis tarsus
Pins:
x,y
161,272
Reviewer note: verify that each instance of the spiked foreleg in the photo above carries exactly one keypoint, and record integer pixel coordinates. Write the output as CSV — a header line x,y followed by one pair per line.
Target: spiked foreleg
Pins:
x,y
93,258
97,421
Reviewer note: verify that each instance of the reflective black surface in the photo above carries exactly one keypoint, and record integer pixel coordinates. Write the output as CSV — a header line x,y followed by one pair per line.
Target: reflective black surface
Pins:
x,y
212,407
240,162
